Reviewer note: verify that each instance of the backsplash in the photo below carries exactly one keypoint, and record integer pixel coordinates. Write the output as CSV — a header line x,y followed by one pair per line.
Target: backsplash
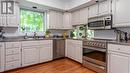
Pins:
x,y
105,34
82,32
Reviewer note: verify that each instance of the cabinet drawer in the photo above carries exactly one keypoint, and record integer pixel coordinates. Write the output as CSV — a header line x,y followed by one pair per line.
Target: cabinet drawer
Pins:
x,y
45,42
11,58
119,48
30,43
13,51
12,44
12,65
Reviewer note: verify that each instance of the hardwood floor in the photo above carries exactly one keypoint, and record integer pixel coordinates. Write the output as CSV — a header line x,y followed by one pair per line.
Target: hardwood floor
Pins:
x,y
57,66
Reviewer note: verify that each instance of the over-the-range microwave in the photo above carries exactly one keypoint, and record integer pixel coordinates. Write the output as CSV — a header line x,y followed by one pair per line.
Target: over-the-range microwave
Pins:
x,y
100,23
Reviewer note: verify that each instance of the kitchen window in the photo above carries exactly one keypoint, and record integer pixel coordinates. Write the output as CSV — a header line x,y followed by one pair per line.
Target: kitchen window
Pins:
x,y
31,21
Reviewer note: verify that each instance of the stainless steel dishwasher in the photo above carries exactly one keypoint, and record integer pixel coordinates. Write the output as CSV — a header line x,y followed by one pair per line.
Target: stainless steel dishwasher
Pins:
x,y
58,48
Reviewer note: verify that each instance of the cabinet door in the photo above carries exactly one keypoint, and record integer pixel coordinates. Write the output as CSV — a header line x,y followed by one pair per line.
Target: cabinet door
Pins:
x,y
13,19
105,7
76,17
55,20
93,10
52,19
84,16
69,49
0,16
67,21
3,17
30,56
2,57
74,50
78,52
118,63
59,20
121,15
46,53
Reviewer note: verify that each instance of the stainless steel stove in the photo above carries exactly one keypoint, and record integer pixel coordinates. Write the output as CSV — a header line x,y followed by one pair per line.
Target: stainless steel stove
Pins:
x,y
94,54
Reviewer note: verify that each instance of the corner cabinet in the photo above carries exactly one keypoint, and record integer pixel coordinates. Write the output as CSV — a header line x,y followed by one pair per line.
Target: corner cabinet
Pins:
x,y
80,16
55,19
59,20
10,20
74,50
121,15
67,20
118,59
75,17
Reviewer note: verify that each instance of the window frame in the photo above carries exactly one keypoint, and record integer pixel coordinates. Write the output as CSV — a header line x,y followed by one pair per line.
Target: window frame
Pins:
x,y
44,21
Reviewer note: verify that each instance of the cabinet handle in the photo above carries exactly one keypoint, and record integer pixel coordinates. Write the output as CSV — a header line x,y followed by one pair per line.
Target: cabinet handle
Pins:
x,y
119,49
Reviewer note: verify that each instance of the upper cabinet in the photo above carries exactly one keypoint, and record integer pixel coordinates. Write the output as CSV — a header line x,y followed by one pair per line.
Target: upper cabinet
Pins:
x,y
80,16
100,9
105,7
9,19
13,20
93,10
121,15
59,20
75,17
67,20
55,20
84,16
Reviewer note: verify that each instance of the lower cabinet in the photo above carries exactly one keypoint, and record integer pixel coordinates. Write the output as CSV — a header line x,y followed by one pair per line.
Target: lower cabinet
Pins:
x,y
46,51
74,50
118,63
30,55
118,58
36,52
12,65
12,55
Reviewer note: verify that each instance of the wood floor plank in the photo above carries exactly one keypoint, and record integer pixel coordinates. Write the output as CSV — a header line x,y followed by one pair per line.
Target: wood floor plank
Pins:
x,y
57,66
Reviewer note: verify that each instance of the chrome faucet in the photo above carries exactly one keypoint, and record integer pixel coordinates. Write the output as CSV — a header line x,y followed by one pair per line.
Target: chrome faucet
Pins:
x,y
35,35
26,36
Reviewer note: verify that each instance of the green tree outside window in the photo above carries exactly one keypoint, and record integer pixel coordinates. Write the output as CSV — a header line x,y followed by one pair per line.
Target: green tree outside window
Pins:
x,y
31,21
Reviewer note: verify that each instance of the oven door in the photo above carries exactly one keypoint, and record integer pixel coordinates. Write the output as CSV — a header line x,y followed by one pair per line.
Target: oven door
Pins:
x,y
95,60
94,56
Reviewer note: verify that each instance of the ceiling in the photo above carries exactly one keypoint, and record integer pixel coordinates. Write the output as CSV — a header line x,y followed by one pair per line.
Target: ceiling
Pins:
x,y
66,0
55,4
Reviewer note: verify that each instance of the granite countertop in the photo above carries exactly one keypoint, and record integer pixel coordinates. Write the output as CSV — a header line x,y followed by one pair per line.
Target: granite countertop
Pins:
x,y
32,39
29,39
120,43
77,39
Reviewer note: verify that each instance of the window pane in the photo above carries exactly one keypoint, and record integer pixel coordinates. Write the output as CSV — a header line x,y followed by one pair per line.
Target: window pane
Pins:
x,y
31,21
